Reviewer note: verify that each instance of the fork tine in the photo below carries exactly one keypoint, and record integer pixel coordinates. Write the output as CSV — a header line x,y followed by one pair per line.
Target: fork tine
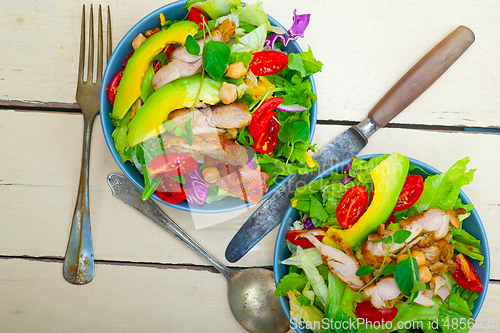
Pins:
x,y
82,48
99,46
109,47
90,72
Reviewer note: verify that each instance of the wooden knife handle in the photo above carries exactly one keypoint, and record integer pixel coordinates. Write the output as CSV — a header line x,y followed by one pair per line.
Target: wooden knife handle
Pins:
x,y
422,75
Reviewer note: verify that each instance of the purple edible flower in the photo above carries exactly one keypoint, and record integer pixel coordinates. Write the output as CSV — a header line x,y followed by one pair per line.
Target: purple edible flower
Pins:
x,y
348,167
250,163
307,223
346,180
196,188
300,23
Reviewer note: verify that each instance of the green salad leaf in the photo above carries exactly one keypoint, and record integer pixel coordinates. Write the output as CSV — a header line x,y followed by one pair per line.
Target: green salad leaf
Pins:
x,y
292,281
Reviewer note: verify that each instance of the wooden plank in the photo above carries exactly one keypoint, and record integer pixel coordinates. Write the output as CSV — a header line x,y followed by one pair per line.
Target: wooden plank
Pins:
x,y
363,54
39,180
35,297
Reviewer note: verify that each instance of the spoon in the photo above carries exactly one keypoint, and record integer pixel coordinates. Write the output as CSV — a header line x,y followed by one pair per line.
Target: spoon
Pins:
x,y
250,292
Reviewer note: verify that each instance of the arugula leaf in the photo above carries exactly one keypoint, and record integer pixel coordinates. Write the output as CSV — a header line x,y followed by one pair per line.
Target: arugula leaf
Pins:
x,y
365,270
192,46
388,270
304,63
216,58
405,275
292,281
317,211
275,167
400,236
244,57
294,132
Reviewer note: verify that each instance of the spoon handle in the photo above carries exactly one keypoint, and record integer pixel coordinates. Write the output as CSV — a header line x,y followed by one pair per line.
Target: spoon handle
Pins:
x,y
124,190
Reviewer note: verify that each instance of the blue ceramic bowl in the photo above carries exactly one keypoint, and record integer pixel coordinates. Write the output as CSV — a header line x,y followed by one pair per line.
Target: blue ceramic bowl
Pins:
x,y
173,11
474,226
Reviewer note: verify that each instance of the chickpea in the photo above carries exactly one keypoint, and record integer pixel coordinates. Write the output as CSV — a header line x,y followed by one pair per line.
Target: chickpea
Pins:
x,y
211,174
228,93
402,257
236,70
419,255
138,40
424,274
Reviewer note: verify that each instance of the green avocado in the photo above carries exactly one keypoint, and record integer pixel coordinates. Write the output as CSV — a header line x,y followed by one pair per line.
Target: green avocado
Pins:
x,y
388,180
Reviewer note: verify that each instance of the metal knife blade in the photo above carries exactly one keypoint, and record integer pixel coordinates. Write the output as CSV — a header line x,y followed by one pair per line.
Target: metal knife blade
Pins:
x,y
271,212
420,77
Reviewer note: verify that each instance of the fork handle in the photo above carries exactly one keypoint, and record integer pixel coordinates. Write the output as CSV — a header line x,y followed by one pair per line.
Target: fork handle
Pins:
x,y
79,259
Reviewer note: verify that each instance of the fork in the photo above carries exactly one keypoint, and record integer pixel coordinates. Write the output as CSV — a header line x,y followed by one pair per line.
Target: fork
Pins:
x,y
79,259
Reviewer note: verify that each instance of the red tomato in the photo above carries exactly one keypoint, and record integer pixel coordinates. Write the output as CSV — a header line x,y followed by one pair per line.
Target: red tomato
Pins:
x,y
262,115
113,86
369,313
411,192
352,206
125,62
268,139
169,49
169,191
295,237
268,62
171,165
465,275
196,16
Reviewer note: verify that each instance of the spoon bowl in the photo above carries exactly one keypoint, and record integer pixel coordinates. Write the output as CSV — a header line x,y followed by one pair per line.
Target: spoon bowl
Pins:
x,y
250,291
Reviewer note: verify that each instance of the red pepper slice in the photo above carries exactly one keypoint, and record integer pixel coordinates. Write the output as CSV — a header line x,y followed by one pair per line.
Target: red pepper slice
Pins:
x,y
268,139
261,117
196,16
411,192
371,314
113,86
352,206
169,49
127,57
157,65
268,62
169,191
465,275
295,237
171,165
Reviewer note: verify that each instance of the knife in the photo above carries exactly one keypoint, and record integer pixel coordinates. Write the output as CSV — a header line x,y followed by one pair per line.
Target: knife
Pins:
x,y
420,77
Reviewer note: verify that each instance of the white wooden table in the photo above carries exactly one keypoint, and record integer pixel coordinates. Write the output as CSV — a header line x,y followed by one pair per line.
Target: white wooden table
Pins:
x,y
145,280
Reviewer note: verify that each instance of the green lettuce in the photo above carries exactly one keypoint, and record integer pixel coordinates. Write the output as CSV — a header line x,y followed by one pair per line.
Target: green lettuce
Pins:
x,y
216,8
253,14
251,42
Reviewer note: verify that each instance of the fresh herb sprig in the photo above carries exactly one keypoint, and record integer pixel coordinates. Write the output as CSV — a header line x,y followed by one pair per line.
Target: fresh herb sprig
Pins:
x,y
405,272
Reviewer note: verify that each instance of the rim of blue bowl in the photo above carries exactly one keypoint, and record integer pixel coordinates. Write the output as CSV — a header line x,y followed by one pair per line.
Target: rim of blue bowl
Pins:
x,y
151,21
477,231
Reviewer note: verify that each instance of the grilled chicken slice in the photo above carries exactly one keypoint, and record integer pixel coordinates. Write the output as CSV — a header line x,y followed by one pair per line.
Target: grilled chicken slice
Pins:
x,y
435,221
439,287
213,145
384,294
221,119
424,298
185,64
246,183
340,264
174,70
234,115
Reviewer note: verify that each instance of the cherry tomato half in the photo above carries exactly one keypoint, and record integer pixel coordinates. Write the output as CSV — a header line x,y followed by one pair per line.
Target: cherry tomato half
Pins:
x,y
262,115
465,275
295,237
113,86
169,191
352,206
390,219
171,165
268,62
411,192
371,314
268,139
196,16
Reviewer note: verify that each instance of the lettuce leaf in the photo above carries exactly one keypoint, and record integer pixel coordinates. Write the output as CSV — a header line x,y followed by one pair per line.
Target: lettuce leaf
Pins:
x,y
441,191
251,42
275,167
253,14
217,8
292,281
